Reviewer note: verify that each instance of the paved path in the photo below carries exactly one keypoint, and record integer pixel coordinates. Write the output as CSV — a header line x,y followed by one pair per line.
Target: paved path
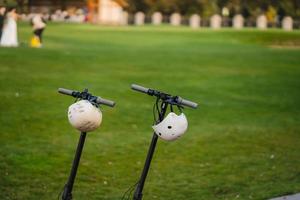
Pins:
x,y
289,197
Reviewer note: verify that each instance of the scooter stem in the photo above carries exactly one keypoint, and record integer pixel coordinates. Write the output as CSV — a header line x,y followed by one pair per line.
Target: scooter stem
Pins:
x,y
138,194
67,194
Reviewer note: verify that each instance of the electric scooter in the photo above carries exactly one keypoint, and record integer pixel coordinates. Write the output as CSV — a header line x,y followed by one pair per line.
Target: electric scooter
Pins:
x,y
96,101
165,100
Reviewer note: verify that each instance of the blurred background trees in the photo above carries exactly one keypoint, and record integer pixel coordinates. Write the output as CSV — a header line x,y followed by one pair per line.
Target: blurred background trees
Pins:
x,y
205,8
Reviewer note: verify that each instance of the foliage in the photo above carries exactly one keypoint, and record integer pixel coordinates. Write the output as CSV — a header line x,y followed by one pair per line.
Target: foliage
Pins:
x,y
207,8
9,3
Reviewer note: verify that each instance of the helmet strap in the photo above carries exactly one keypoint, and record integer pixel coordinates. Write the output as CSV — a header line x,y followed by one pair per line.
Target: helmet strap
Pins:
x,y
180,108
156,111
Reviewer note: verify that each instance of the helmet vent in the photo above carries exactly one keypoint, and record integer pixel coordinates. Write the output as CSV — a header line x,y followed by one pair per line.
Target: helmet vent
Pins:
x,y
169,127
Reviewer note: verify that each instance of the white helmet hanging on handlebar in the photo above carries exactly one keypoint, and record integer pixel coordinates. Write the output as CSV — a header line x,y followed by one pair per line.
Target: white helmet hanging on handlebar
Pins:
x,y
172,127
84,116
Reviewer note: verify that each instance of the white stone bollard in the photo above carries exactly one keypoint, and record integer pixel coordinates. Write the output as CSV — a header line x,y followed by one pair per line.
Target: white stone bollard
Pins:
x,y
175,19
287,23
261,22
194,21
238,22
156,18
139,18
215,21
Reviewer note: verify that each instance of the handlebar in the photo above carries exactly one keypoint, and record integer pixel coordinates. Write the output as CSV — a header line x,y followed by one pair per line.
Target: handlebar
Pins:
x,y
187,103
87,96
67,92
178,100
139,88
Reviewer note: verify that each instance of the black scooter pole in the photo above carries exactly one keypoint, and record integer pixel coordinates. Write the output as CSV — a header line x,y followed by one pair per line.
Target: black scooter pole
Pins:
x,y
167,99
138,194
67,194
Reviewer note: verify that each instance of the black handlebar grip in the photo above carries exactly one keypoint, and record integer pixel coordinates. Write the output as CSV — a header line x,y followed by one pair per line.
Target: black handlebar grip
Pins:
x,y
105,102
139,88
65,91
188,103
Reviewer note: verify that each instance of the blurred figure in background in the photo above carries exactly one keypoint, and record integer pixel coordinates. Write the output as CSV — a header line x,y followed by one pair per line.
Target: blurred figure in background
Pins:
x,y
2,17
9,35
38,25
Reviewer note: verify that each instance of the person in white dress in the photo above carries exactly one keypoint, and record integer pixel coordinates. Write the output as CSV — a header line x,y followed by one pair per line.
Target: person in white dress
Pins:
x,y
2,17
9,35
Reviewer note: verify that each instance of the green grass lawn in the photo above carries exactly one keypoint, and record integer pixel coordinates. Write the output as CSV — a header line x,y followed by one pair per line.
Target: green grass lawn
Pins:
x,y
243,141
